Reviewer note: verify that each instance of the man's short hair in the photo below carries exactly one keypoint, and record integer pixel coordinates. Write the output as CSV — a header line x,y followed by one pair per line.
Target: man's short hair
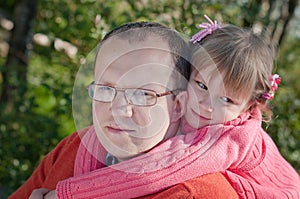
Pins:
x,y
179,47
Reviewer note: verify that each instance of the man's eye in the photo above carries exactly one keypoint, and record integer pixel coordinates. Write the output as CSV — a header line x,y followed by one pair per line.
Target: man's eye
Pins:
x,y
201,85
104,88
140,92
100,90
227,100
144,93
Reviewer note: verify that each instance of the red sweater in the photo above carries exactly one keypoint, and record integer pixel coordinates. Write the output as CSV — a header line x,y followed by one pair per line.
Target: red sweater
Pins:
x,y
59,165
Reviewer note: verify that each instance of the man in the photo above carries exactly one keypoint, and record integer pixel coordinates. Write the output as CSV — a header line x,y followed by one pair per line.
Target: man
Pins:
x,y
140,69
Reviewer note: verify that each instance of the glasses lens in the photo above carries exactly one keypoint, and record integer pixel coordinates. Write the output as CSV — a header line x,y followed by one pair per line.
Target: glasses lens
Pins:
x,y
140,97
91,89
102,93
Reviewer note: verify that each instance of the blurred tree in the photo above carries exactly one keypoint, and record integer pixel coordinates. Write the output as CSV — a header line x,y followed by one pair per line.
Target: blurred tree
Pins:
x,y
14,74
270,18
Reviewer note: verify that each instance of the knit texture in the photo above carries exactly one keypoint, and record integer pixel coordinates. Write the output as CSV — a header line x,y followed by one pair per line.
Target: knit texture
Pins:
x,y
240,149
59,164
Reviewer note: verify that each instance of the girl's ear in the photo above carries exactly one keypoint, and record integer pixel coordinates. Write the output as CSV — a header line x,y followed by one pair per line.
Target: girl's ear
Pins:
x,y
179,108
252,104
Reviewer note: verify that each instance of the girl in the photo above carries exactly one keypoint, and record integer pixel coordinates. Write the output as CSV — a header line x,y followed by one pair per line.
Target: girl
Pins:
x,y
230,85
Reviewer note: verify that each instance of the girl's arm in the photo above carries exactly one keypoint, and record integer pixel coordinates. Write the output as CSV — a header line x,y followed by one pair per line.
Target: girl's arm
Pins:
x,y
176,160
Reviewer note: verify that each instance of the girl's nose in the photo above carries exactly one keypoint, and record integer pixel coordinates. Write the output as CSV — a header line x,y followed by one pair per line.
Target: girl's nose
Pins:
x,y
206,104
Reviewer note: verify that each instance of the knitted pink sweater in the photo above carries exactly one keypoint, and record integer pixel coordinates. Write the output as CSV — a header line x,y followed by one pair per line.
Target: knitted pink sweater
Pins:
x,y
240,149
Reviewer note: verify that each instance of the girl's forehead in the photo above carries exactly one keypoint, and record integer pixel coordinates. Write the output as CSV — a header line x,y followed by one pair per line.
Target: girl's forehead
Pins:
x,y
217,84
208,73
222,74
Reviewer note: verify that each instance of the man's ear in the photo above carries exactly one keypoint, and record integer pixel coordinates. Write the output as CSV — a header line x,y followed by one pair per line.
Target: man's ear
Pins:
x,y
179,107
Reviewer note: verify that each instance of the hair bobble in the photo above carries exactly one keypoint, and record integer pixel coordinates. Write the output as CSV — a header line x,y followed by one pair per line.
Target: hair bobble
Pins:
x,y
274,81
208,29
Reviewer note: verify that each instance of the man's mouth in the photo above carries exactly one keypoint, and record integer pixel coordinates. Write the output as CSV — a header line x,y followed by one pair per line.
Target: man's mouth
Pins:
x,y
119,130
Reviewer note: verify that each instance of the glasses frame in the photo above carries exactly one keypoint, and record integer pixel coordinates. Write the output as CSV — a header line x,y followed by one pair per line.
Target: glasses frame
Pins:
x,y
157,95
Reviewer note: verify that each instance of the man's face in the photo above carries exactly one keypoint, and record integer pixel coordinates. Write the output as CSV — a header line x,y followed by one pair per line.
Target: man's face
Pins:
x,y
127,130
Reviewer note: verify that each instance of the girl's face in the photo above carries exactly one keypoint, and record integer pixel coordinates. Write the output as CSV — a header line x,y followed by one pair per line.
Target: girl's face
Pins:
x,y
209,103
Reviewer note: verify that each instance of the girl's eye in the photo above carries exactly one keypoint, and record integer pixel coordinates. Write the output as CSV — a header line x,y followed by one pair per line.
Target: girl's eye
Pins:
x,y
201,85
227,100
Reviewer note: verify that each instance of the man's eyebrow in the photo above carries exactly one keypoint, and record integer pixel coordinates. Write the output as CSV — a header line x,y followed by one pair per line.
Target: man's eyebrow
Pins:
x,y
104,83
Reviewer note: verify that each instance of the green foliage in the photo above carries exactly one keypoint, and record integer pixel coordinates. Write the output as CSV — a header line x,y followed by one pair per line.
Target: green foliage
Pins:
x,y
36,125
21,143
44,116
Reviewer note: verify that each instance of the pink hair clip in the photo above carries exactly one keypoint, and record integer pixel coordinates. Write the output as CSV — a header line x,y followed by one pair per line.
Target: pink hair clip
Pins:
x,y
274,81
208,29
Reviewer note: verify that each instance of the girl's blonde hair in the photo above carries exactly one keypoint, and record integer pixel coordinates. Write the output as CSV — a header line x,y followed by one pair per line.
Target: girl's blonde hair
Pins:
x,y
245,60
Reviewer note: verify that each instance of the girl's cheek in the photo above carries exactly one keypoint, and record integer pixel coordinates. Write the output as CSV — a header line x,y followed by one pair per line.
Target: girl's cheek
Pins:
x,y
192,95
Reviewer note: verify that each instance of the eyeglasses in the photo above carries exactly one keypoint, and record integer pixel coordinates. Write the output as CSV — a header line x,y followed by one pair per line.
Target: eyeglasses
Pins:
x,y
134,96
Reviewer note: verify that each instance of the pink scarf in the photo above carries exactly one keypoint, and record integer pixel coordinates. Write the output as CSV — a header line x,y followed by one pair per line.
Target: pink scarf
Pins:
x,y
211,149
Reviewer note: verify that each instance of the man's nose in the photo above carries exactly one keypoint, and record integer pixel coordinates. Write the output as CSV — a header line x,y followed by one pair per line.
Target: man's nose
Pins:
x,y
120,106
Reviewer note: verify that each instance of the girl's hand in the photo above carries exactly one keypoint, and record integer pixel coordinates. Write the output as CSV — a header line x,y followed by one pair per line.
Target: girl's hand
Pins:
x,y
50,195
39,193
